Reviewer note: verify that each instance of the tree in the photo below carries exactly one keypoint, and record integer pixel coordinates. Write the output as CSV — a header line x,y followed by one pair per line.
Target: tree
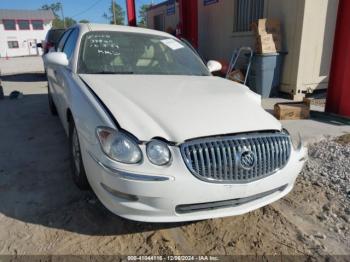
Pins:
x,y
84,21
70,21
119,14
55,7
58,22
143,15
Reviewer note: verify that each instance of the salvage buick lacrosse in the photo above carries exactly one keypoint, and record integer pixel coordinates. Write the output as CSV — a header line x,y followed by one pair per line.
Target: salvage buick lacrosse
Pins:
x,y
156,136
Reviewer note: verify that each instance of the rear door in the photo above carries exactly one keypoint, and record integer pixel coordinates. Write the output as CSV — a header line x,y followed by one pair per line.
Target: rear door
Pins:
x,y
51,70
64,74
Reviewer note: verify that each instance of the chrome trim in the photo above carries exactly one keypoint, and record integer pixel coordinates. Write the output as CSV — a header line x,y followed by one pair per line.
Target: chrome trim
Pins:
x,y
221,163
242,161
129,176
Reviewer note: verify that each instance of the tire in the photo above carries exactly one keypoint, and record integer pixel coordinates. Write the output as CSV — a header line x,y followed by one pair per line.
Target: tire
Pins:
x,y
78,170
52,106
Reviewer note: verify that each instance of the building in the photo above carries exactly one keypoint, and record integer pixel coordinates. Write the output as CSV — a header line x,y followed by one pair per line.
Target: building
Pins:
x,y
163,16
308,28
21,30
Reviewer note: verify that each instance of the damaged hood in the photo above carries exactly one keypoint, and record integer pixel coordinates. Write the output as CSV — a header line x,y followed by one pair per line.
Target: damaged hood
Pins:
x,y
178,108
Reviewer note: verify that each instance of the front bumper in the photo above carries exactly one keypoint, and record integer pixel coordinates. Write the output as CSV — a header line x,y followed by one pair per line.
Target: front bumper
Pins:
x,y
163,200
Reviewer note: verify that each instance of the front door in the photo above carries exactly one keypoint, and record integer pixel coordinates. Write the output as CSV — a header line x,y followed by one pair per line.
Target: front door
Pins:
x,y
33,50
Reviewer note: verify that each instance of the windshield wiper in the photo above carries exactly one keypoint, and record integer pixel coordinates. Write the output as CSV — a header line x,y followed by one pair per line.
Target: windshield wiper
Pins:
x,y
113,73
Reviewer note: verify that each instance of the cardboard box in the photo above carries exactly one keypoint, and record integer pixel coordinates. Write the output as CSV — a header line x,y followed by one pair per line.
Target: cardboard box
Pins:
x,y
277,37
265,38
268,33
267,26
292,111
236,76
266,43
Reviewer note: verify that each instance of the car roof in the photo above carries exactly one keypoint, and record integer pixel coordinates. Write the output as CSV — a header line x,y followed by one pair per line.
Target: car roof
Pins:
x,y
120,28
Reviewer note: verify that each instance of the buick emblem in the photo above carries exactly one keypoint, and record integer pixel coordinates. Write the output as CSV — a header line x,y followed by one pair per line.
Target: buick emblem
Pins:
x,y
247,160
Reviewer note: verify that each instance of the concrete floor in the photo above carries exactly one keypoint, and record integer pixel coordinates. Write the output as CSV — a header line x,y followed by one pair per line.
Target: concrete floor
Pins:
x,y
311,130
15,65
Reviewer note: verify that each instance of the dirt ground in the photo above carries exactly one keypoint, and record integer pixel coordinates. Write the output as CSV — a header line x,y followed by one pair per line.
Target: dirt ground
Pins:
x,y
42,212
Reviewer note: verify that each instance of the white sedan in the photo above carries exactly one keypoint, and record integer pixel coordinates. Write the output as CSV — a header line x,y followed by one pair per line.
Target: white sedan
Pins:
x,y
156,136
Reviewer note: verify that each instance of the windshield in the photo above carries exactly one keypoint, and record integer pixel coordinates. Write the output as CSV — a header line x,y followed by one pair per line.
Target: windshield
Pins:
x,y
133,53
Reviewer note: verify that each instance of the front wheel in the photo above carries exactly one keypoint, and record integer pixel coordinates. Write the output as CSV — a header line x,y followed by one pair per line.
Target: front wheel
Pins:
x,y
78,171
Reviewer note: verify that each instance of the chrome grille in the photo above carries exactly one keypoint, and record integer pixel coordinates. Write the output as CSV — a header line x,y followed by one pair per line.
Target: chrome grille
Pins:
x,y
237,159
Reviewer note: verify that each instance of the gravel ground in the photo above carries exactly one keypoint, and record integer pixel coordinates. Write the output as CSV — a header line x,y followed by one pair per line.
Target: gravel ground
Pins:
x,y
43,213
329,168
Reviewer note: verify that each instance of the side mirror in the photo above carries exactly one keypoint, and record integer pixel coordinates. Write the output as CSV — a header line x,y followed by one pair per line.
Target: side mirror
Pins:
x,y
56,58
214,66
39,45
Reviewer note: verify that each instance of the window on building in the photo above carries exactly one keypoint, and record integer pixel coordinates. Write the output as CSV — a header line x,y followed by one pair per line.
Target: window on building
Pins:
x,y
12,44
158,21
37,24
23,24
9,24
247,12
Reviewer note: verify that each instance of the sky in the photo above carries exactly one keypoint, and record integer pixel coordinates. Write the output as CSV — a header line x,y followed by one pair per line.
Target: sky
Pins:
x,y
91,10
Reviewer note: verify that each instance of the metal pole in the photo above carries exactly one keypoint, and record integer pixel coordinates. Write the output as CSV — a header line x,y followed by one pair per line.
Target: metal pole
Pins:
x,y
189,20
64,20
338,96
113,10
130,7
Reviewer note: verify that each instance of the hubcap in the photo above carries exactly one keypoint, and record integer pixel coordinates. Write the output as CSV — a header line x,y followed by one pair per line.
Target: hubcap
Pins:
x,y
76,150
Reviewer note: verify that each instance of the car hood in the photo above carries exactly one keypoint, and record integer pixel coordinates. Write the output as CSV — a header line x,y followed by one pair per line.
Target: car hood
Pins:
x,y
178,108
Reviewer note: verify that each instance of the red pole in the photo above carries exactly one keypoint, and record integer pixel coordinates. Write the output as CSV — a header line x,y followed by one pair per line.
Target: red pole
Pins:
x,y
130,7
338,97
189,20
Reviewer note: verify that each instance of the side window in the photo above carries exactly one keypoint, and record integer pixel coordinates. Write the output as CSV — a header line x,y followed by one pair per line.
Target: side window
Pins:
x,y
62,40
70,43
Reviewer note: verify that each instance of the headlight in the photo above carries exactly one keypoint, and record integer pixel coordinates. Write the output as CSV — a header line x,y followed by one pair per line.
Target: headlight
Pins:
x,y
119,146
158,152
297,141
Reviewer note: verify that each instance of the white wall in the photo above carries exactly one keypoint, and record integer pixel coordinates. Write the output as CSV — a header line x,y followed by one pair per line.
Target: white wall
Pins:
x,y
23,37
317,44
170,21
217,39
